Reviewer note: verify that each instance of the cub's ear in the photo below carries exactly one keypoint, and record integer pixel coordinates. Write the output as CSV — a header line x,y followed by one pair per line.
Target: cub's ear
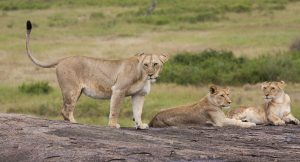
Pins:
x,y
163,58
281,84
263,85
213,89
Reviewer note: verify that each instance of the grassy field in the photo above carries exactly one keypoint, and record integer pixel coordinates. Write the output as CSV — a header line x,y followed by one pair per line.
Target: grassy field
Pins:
x,y
118,29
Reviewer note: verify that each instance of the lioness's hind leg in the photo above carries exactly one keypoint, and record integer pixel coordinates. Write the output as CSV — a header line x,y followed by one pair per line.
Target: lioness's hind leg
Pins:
x,y
70,98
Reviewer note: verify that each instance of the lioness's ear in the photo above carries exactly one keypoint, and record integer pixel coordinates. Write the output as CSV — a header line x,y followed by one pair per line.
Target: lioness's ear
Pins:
x,y
264,84
213,89
163,58
140,56
281,84
227,89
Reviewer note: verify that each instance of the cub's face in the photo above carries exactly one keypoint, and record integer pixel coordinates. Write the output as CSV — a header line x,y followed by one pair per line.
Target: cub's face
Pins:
x,y
152,64
219,96
272,90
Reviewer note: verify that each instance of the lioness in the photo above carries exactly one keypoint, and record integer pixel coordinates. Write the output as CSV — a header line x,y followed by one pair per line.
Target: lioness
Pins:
x,y
207,111
276,109
104,79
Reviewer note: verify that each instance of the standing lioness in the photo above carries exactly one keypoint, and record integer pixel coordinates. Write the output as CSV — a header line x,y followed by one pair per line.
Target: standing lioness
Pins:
x,y
207,111
276,110
104,79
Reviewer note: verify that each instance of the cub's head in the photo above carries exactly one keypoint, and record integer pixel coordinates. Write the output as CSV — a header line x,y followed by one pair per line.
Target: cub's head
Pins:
x,y
219,96
272,90
152,64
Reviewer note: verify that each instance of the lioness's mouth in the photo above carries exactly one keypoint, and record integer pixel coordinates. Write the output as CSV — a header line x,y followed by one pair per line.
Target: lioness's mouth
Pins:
x,y
268,98
225,107
152,78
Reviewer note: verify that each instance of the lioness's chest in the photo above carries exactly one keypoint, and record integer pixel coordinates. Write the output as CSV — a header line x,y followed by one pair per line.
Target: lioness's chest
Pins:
x,y
282,109
139,88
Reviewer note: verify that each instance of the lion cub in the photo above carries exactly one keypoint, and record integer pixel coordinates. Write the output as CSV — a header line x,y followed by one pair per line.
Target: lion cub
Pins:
x,y
207,111
276,109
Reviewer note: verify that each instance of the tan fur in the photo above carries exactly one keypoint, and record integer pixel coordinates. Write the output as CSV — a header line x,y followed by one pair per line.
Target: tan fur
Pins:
x,y
276,110
207,111
105,79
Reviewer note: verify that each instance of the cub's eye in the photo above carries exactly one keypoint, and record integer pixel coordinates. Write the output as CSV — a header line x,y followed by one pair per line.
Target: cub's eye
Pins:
x,y
155,64
272,88
146,65
265,88
222,95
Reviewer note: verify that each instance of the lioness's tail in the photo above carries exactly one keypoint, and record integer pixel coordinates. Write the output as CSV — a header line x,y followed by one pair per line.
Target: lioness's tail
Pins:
x,y
34,60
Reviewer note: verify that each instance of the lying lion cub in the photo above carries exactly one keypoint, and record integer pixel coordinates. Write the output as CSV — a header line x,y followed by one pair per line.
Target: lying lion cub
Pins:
x,y
104,79
207,111
276,110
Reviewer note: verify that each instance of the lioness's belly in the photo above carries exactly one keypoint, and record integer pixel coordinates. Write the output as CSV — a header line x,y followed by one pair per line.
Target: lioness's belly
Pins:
x,y
97,93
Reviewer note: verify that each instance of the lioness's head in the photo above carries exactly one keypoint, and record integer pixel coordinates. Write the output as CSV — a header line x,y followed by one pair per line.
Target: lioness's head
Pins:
x,y
272,90
219,96
152,64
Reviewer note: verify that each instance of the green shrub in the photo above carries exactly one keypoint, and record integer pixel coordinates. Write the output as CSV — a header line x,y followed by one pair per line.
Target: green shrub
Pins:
x,y
222,67
239,8
35,88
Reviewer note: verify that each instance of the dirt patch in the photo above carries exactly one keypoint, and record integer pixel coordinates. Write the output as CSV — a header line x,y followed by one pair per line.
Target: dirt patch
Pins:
x,y
28,138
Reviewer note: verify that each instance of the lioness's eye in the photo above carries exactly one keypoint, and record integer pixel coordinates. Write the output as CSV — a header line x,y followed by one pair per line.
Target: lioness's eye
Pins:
x,y
272,88
222,95
145,64
155,64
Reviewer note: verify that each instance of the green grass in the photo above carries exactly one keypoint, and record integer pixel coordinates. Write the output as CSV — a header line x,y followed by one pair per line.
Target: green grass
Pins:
x,y
95,112
90,111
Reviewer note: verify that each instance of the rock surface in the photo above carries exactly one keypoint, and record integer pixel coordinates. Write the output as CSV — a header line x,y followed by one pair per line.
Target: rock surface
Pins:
x,y
26,138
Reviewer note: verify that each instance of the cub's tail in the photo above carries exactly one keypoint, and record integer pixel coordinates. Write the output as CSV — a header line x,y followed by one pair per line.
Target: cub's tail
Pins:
x,y
34,60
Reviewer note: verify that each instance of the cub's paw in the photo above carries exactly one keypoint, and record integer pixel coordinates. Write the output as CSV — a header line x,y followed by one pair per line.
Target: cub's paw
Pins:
x,y
114,125
142,126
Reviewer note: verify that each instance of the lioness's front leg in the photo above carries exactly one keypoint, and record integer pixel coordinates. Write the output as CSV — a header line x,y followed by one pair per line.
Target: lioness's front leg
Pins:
x,y
115,102
137,108
221,120
275,119
288,117
234,122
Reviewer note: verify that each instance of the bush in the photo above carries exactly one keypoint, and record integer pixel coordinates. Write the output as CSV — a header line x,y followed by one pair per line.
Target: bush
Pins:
x,y
222,67
35,88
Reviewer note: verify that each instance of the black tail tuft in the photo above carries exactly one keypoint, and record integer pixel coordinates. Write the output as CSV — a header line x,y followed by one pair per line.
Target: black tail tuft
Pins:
x,y
28,25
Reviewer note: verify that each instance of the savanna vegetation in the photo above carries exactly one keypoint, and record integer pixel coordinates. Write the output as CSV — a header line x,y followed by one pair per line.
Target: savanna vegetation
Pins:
x,y
223,68
238,43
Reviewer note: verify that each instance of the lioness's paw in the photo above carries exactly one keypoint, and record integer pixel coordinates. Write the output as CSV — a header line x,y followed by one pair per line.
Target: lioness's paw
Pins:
x,y
279,122
248,124
142,126
114,125
297,122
